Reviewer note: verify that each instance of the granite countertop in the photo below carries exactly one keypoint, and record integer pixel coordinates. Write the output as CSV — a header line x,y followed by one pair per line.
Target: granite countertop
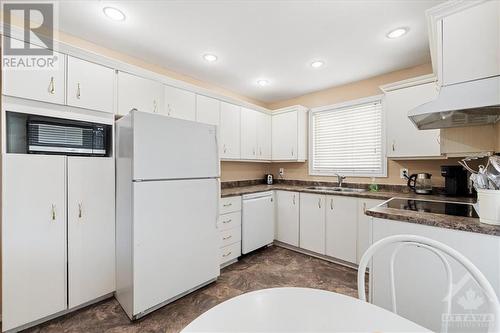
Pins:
x,y
462,223
437,220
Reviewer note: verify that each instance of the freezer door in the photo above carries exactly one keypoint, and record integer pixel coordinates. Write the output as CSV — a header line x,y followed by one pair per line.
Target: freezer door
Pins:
x,y
175,238
169,148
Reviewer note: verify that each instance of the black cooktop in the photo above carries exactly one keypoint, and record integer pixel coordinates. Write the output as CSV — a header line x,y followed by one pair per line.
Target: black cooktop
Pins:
x,y
435,207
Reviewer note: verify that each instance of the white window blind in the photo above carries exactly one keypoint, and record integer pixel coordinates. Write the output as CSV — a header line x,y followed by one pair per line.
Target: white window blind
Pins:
x,y
348,140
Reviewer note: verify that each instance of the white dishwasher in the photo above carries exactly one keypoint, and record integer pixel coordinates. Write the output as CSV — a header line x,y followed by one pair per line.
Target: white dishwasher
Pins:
x,y
257,221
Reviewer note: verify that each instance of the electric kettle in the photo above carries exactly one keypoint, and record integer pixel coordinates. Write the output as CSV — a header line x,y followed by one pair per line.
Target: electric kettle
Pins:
x,y
420,183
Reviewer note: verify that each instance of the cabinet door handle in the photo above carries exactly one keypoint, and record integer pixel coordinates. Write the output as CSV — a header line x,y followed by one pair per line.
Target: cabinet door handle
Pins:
x,y
393,146
292,151
225,149
53,212
80,210
227,254
319,203
364,207
169,109
227,237
260,151
227,221
331,203
253,151
78,92
293,199
52,86
155,106
438,139
227,205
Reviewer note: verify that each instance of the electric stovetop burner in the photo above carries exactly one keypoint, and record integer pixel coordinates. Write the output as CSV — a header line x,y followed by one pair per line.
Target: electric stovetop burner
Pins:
x,y
435,207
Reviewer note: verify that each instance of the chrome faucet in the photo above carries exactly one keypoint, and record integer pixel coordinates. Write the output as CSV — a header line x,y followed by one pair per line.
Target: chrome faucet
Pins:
x,y
340,179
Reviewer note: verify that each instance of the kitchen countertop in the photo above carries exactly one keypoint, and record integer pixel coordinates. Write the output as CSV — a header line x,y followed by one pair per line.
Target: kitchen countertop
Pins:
x,y
437,220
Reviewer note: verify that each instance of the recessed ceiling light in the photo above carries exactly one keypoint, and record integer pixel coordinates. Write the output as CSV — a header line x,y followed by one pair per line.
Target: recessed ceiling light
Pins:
x,y
317,63
396,33
263,82
114,14
210,57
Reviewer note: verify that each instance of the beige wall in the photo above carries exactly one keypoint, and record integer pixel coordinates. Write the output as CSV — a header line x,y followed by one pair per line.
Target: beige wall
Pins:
x,y
352,91
243,170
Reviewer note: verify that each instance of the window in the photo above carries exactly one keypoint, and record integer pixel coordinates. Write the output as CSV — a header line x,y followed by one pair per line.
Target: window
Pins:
x,y
348,139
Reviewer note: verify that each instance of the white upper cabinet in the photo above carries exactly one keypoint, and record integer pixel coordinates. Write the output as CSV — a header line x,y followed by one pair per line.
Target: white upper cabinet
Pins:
x,y
289,134
229,131
90,86
312,222
471,43
180,103
248,134
341,227
135,92
404,140
263,136
207,110
287,217
45,85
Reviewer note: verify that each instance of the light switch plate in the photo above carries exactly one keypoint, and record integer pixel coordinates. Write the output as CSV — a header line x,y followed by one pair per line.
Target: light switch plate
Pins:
x,y
282,172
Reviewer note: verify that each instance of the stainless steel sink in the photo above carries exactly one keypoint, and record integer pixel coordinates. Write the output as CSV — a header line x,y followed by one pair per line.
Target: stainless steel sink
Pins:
x,y
336,189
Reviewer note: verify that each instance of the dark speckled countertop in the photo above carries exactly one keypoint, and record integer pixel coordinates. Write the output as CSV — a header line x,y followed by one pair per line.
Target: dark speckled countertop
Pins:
x,y
437,220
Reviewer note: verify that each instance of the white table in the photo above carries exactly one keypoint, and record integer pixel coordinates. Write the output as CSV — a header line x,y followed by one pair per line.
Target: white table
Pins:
x,y
299,310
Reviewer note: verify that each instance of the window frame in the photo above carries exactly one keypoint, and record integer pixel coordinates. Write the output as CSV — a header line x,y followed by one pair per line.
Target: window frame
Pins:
x,y
350,103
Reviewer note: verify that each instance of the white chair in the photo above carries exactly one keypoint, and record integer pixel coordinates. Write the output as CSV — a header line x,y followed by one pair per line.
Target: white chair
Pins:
x,y
439,249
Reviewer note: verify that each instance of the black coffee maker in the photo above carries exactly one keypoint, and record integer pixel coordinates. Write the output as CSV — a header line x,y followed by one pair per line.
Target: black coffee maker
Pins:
x,y
455,180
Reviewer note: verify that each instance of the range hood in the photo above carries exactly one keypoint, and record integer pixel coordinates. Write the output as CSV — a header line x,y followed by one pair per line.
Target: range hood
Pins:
x,y
463,104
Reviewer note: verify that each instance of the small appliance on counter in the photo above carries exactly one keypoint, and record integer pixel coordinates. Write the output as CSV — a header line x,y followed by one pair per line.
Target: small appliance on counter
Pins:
x,y
420,183
455,180
269,179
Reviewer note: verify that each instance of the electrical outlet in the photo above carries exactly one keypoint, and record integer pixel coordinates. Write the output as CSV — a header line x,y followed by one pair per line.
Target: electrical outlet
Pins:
x,y
403,172
282,172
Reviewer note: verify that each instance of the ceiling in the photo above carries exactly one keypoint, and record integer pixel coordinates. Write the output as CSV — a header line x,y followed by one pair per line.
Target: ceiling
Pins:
x,y
273,40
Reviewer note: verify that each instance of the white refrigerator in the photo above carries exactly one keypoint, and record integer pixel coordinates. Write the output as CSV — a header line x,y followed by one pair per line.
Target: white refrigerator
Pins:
x,y
167,194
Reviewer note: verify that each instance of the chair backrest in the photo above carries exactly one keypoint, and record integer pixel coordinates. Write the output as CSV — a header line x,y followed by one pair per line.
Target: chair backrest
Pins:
x,y
439,249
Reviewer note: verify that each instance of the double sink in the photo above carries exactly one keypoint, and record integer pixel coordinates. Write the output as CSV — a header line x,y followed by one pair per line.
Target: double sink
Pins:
x,y
336,189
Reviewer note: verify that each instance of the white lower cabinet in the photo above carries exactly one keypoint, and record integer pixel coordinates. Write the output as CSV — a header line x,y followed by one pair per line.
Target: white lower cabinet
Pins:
x,y
341,227
364,226
33,238
91,228
312,222
420,277
47,254
229,227
287,217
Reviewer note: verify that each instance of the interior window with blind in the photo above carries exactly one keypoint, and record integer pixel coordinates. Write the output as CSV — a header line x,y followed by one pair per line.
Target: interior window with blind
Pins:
x,y
348,139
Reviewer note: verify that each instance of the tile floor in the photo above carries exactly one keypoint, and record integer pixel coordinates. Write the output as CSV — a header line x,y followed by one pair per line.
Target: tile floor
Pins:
x,y
266,268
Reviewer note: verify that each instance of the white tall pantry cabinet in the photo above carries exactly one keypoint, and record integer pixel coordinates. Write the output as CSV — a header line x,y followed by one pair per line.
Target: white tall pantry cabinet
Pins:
x,y
58,234
33,238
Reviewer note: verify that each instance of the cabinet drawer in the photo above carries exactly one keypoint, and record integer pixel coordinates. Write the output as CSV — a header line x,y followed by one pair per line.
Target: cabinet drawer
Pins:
x,y
230,236
230,252
229,221
230,204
